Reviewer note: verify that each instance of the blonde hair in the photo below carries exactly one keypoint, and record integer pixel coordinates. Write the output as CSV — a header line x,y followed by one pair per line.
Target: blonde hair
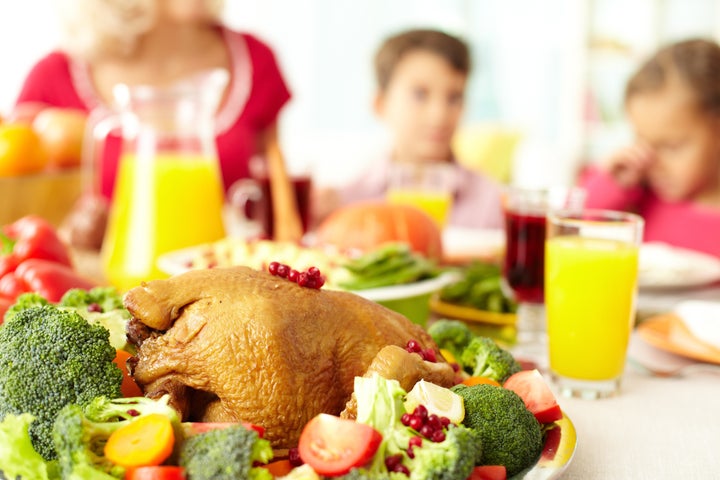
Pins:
x,y
96,28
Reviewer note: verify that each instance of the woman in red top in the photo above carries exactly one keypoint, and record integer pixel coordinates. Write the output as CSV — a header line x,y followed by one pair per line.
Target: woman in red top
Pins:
x,y
156,42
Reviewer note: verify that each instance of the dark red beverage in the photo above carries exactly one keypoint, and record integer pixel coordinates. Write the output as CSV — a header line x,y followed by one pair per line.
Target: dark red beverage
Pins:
x,y
524,267
262,210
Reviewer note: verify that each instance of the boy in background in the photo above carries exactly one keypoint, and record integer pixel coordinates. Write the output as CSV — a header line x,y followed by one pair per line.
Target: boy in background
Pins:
x,y
421,78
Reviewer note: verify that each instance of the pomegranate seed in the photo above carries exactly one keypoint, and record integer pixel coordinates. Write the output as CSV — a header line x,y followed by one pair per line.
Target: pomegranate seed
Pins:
x,y
133,413
413,346
402,469
320,281
438,436
294,457
302,279
421,412
444,421
415,442
393,461
455,367
405,419
410,452
293,275
313,272
427,431
434,421
94,307
283,270
416,423
430,355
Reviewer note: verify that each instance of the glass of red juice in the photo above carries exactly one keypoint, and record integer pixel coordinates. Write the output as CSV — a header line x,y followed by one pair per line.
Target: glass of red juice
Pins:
x,y
525,212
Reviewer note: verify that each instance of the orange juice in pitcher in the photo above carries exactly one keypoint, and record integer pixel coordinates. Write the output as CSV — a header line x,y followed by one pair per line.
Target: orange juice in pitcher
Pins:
x,y
173,209
168,192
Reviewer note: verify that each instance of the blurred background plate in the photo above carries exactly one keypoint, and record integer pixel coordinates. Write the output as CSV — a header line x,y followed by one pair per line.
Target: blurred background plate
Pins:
x,y
664,266
462,245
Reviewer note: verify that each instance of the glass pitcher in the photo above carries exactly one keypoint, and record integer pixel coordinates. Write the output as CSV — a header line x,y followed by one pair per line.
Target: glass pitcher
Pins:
x,y
168,191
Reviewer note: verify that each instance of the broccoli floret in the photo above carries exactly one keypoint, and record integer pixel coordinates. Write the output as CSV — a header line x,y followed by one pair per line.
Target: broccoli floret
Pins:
x,y
106,298
226,453
50,358
79,434
483,358
101,306
25,301
380,406
452,335
510,434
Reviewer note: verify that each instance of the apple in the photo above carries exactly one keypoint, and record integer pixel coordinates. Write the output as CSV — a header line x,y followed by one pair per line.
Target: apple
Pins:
x,y
62,131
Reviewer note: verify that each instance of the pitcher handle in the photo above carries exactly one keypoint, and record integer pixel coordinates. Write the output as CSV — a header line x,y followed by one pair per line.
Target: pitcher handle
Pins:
x,y
99,125
240,193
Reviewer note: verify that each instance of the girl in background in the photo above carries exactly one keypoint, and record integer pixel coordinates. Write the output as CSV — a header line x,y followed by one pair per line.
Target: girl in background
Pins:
x,y
671,174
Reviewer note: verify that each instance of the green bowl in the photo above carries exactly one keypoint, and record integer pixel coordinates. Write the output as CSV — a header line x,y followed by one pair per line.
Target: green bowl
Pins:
x,y
411,300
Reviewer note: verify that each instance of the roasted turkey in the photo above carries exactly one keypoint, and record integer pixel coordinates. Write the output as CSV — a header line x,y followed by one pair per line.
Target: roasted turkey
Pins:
x,y
236,344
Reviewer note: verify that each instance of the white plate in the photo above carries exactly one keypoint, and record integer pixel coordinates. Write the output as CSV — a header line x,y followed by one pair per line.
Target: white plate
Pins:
x,y
460,244
409,290
663,266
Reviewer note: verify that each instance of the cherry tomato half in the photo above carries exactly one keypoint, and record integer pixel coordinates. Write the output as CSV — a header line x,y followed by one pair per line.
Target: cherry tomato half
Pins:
x,y
538,398
333,446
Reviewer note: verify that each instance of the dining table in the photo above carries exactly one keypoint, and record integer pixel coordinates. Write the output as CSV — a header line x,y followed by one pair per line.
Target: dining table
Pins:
x,y
664,423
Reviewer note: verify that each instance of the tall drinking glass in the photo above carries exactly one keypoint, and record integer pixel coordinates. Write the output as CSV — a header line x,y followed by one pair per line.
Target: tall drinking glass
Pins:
x,y
591,275
524,264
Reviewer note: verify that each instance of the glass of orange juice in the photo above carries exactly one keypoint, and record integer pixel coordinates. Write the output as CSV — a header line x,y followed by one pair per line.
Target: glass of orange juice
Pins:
x,y
591,275
427,186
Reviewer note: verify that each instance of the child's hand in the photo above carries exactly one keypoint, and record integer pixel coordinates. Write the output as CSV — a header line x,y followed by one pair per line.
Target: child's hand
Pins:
x,y
629,166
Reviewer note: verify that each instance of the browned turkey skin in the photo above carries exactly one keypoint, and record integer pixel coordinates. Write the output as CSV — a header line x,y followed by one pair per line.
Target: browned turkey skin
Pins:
x,y
235,344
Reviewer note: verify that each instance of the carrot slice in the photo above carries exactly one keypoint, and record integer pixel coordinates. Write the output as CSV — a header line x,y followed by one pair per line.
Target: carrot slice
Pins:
x,y
128,388
470,381
145,441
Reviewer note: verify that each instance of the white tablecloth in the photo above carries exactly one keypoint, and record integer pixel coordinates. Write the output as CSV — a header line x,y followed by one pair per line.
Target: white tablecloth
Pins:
x,y
657,428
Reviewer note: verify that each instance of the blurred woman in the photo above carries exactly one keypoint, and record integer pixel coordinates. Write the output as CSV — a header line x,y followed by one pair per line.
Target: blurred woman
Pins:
x,y
157,42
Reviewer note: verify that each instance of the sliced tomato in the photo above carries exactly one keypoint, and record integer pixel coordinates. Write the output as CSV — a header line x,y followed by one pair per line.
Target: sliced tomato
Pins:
x,y
539,399
194,428
488,472
159,472
333,446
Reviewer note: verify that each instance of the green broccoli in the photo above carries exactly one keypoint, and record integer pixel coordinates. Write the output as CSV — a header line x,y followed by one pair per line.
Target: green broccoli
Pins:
x,y
51,358
25,301
483,358
452,335
510,434
380,405
105,298
80,433
226,453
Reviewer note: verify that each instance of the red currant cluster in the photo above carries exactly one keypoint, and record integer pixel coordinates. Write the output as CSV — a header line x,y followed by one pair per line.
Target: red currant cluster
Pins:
x,y
429,426
428,354
310,278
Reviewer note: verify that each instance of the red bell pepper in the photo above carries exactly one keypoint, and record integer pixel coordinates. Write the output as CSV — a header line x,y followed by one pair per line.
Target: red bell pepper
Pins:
x,y
5,303
30,237
50,279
